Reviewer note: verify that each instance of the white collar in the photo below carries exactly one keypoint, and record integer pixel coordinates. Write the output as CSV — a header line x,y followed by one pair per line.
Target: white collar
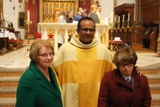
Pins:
x,y
126,77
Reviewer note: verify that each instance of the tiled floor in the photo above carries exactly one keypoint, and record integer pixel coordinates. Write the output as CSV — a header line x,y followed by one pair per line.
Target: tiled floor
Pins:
x,y
19,59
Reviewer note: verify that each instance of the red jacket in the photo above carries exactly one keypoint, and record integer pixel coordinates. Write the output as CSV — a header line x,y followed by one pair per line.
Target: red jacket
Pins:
x,y
116,92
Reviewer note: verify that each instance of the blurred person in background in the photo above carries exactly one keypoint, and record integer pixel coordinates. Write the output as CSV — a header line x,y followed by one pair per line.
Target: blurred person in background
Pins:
x,y
79,14
99,9
62,17
85,13
93,14
69,17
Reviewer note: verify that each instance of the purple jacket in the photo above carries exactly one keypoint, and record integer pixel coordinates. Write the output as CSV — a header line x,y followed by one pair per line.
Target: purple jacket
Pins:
x,y
116,92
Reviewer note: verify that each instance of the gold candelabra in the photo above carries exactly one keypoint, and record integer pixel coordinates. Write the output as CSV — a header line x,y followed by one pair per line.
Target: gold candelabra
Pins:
x,y
111,24
28,31
28,24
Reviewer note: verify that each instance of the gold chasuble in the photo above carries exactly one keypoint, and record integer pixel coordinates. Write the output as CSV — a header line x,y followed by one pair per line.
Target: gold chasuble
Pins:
x,y
80,69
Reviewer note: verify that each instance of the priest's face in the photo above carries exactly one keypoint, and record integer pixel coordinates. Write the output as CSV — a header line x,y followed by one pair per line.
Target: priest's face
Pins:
x,y
86,31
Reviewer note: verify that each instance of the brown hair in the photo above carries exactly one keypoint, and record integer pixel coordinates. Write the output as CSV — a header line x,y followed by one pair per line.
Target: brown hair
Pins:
x,y
126,54
36,46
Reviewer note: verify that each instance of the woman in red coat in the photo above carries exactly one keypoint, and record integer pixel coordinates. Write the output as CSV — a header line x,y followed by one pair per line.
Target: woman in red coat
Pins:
x,y
123,87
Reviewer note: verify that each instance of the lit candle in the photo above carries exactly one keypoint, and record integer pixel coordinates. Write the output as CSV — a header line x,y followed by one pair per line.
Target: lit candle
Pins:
x,y
128,16
28,16
123,18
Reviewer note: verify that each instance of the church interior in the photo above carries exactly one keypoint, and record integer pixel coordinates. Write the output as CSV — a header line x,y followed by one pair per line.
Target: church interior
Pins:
x,y
132,22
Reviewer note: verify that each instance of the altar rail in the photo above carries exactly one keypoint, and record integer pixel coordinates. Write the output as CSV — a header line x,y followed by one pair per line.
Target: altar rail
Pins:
x,y
66,29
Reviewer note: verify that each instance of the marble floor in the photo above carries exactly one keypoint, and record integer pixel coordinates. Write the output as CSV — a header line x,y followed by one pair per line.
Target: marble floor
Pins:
x,y
15,59
19,59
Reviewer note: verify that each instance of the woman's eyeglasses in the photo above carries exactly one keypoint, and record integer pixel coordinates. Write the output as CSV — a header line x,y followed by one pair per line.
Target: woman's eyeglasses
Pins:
x,y
126,65
46,55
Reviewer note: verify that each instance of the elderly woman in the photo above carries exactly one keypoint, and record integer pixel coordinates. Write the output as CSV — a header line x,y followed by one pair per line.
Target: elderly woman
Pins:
x,y
124,87
38,86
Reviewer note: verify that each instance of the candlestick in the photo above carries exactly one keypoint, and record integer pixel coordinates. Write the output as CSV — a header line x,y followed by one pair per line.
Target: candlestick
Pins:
x,y
28,16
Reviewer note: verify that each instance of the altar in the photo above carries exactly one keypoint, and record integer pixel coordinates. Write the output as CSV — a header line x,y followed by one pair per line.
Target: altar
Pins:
x,y
69,29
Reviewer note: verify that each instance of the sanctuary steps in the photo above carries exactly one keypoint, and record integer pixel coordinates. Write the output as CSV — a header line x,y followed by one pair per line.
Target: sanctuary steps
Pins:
x,y
9,80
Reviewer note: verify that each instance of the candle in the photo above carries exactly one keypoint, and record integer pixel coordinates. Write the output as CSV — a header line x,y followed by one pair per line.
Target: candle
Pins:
x,y
111,16
28,16
118,19
123,18
128,16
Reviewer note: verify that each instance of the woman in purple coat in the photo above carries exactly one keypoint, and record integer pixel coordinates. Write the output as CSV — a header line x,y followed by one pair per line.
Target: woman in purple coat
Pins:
x,y
123,87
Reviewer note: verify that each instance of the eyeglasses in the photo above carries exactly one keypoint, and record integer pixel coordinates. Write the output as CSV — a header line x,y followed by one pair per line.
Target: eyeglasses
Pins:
x,y
126,65
46,55
86,30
